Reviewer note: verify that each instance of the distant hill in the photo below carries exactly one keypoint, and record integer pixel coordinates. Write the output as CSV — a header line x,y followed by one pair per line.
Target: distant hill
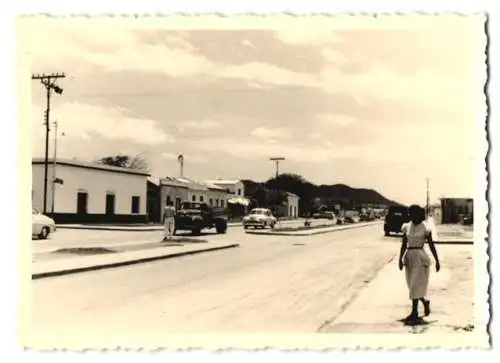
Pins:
x,y
312,195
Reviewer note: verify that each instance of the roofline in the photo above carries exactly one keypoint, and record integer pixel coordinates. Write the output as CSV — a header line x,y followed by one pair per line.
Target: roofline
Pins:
x,y
88,165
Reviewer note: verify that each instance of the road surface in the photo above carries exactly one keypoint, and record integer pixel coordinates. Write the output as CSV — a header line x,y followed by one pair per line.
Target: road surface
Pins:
x,y
271,284
67,238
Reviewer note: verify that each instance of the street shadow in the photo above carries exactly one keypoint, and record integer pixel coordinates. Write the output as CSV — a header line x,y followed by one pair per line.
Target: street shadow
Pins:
x,y
420,321
182,239
84,251
189,233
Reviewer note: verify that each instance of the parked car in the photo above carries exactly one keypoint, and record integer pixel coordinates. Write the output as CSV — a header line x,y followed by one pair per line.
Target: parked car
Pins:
x,y
197,216
324,215
395,218
41,225
259,218
351,216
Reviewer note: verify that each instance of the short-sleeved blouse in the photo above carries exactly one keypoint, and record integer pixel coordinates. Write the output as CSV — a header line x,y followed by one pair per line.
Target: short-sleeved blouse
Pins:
x,y
415,234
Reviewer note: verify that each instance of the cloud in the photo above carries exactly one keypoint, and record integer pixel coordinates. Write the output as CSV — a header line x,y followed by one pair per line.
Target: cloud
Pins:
x,y
315,136
308,36
248,43
335,119
202,125
188,158
169,156
266,133
81,121
267,73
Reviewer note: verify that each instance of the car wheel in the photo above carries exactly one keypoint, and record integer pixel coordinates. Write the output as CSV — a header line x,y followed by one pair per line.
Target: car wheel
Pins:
x,y
387,233
196,232
221,228
44,233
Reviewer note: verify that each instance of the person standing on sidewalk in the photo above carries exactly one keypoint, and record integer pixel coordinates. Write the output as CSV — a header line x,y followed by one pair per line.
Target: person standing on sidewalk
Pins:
x,y
416,261
169,220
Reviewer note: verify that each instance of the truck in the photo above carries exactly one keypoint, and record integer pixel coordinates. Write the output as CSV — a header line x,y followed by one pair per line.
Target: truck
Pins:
x,y
194,217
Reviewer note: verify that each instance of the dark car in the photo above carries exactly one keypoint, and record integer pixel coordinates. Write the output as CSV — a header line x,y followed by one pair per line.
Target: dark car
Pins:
x,y
395,218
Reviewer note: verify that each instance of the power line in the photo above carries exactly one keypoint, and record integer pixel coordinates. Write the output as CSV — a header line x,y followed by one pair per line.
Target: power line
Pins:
x,y
188,92
48,81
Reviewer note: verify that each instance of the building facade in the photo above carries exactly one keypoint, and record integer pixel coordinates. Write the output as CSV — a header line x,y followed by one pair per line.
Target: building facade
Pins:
x,y
235,187
90,193
454,209
292,205
183,189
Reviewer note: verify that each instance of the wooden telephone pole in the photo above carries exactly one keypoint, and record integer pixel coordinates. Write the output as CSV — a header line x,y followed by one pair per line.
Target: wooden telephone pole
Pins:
x,y
48,81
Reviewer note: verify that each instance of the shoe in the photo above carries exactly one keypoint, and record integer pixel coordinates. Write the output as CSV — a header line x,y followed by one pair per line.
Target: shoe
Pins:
x,y
427,307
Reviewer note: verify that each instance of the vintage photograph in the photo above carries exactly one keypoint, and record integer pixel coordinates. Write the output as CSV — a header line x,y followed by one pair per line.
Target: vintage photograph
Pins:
x,y
209,176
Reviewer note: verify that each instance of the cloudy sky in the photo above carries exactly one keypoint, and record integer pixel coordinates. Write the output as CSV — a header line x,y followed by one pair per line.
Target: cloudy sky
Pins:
x,y
370,104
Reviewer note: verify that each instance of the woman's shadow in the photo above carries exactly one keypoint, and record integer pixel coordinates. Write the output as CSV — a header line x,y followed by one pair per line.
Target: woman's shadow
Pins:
x,y
419,321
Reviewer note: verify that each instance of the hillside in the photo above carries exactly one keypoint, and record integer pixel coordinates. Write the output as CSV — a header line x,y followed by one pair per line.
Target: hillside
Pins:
x,y
312,195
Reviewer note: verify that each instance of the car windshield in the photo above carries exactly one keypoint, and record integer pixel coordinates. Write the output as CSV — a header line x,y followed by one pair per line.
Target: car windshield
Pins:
x,y
258,211
189,205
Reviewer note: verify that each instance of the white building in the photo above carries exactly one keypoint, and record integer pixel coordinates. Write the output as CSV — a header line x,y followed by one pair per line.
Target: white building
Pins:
x,y
90,193
183,189
235,187
292,205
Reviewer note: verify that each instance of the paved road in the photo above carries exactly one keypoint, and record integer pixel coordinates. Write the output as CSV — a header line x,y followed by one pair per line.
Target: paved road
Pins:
x,y
270,284
64,238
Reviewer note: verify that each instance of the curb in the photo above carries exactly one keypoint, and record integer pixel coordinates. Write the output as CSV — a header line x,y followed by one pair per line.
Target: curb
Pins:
x,y
458,242
295,234
70,271
128,229
119,229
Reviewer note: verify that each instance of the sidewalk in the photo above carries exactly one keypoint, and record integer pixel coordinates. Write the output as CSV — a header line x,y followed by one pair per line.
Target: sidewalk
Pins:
x,y
379,306
311,232
116,258
451,233
141,227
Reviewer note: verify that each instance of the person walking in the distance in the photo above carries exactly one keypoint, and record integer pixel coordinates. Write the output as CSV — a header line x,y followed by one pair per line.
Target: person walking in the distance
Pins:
x,y
169,220
416,261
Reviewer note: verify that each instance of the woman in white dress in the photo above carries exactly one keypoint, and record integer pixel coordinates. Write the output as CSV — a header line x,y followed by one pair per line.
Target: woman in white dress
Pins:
x,y
416,261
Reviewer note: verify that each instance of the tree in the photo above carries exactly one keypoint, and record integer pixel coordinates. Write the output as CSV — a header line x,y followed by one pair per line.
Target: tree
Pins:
x,y
125,161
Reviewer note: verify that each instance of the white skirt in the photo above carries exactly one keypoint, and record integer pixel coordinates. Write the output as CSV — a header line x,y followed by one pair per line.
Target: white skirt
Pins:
x,y
417,267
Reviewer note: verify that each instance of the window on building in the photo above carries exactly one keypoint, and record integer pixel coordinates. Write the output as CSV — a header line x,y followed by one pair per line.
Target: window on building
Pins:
x,y
239,191
222,203
201,198
193,198
81,202
211,202
177,203
110,204
168,199
217,202
136,204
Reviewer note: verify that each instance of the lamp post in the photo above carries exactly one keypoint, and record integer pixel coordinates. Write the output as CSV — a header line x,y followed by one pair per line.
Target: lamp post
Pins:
x,y
277,161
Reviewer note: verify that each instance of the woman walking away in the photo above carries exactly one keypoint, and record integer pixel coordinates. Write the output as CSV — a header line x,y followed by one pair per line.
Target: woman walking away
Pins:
x,y
416,261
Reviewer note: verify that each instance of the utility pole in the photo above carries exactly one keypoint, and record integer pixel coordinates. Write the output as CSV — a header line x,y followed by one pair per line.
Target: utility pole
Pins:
x,y
277,161
54,164
427,198
48,81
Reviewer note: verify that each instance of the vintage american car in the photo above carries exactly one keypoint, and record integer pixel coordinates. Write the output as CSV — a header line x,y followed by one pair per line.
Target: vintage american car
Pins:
x,y
259,218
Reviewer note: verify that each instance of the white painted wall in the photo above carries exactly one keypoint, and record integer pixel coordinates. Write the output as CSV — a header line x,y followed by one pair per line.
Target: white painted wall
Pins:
x,y
95,182
293,206
233,188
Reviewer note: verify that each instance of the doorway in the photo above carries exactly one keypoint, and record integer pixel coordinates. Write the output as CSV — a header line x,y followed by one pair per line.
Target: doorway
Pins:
x,y
81,203
110,204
